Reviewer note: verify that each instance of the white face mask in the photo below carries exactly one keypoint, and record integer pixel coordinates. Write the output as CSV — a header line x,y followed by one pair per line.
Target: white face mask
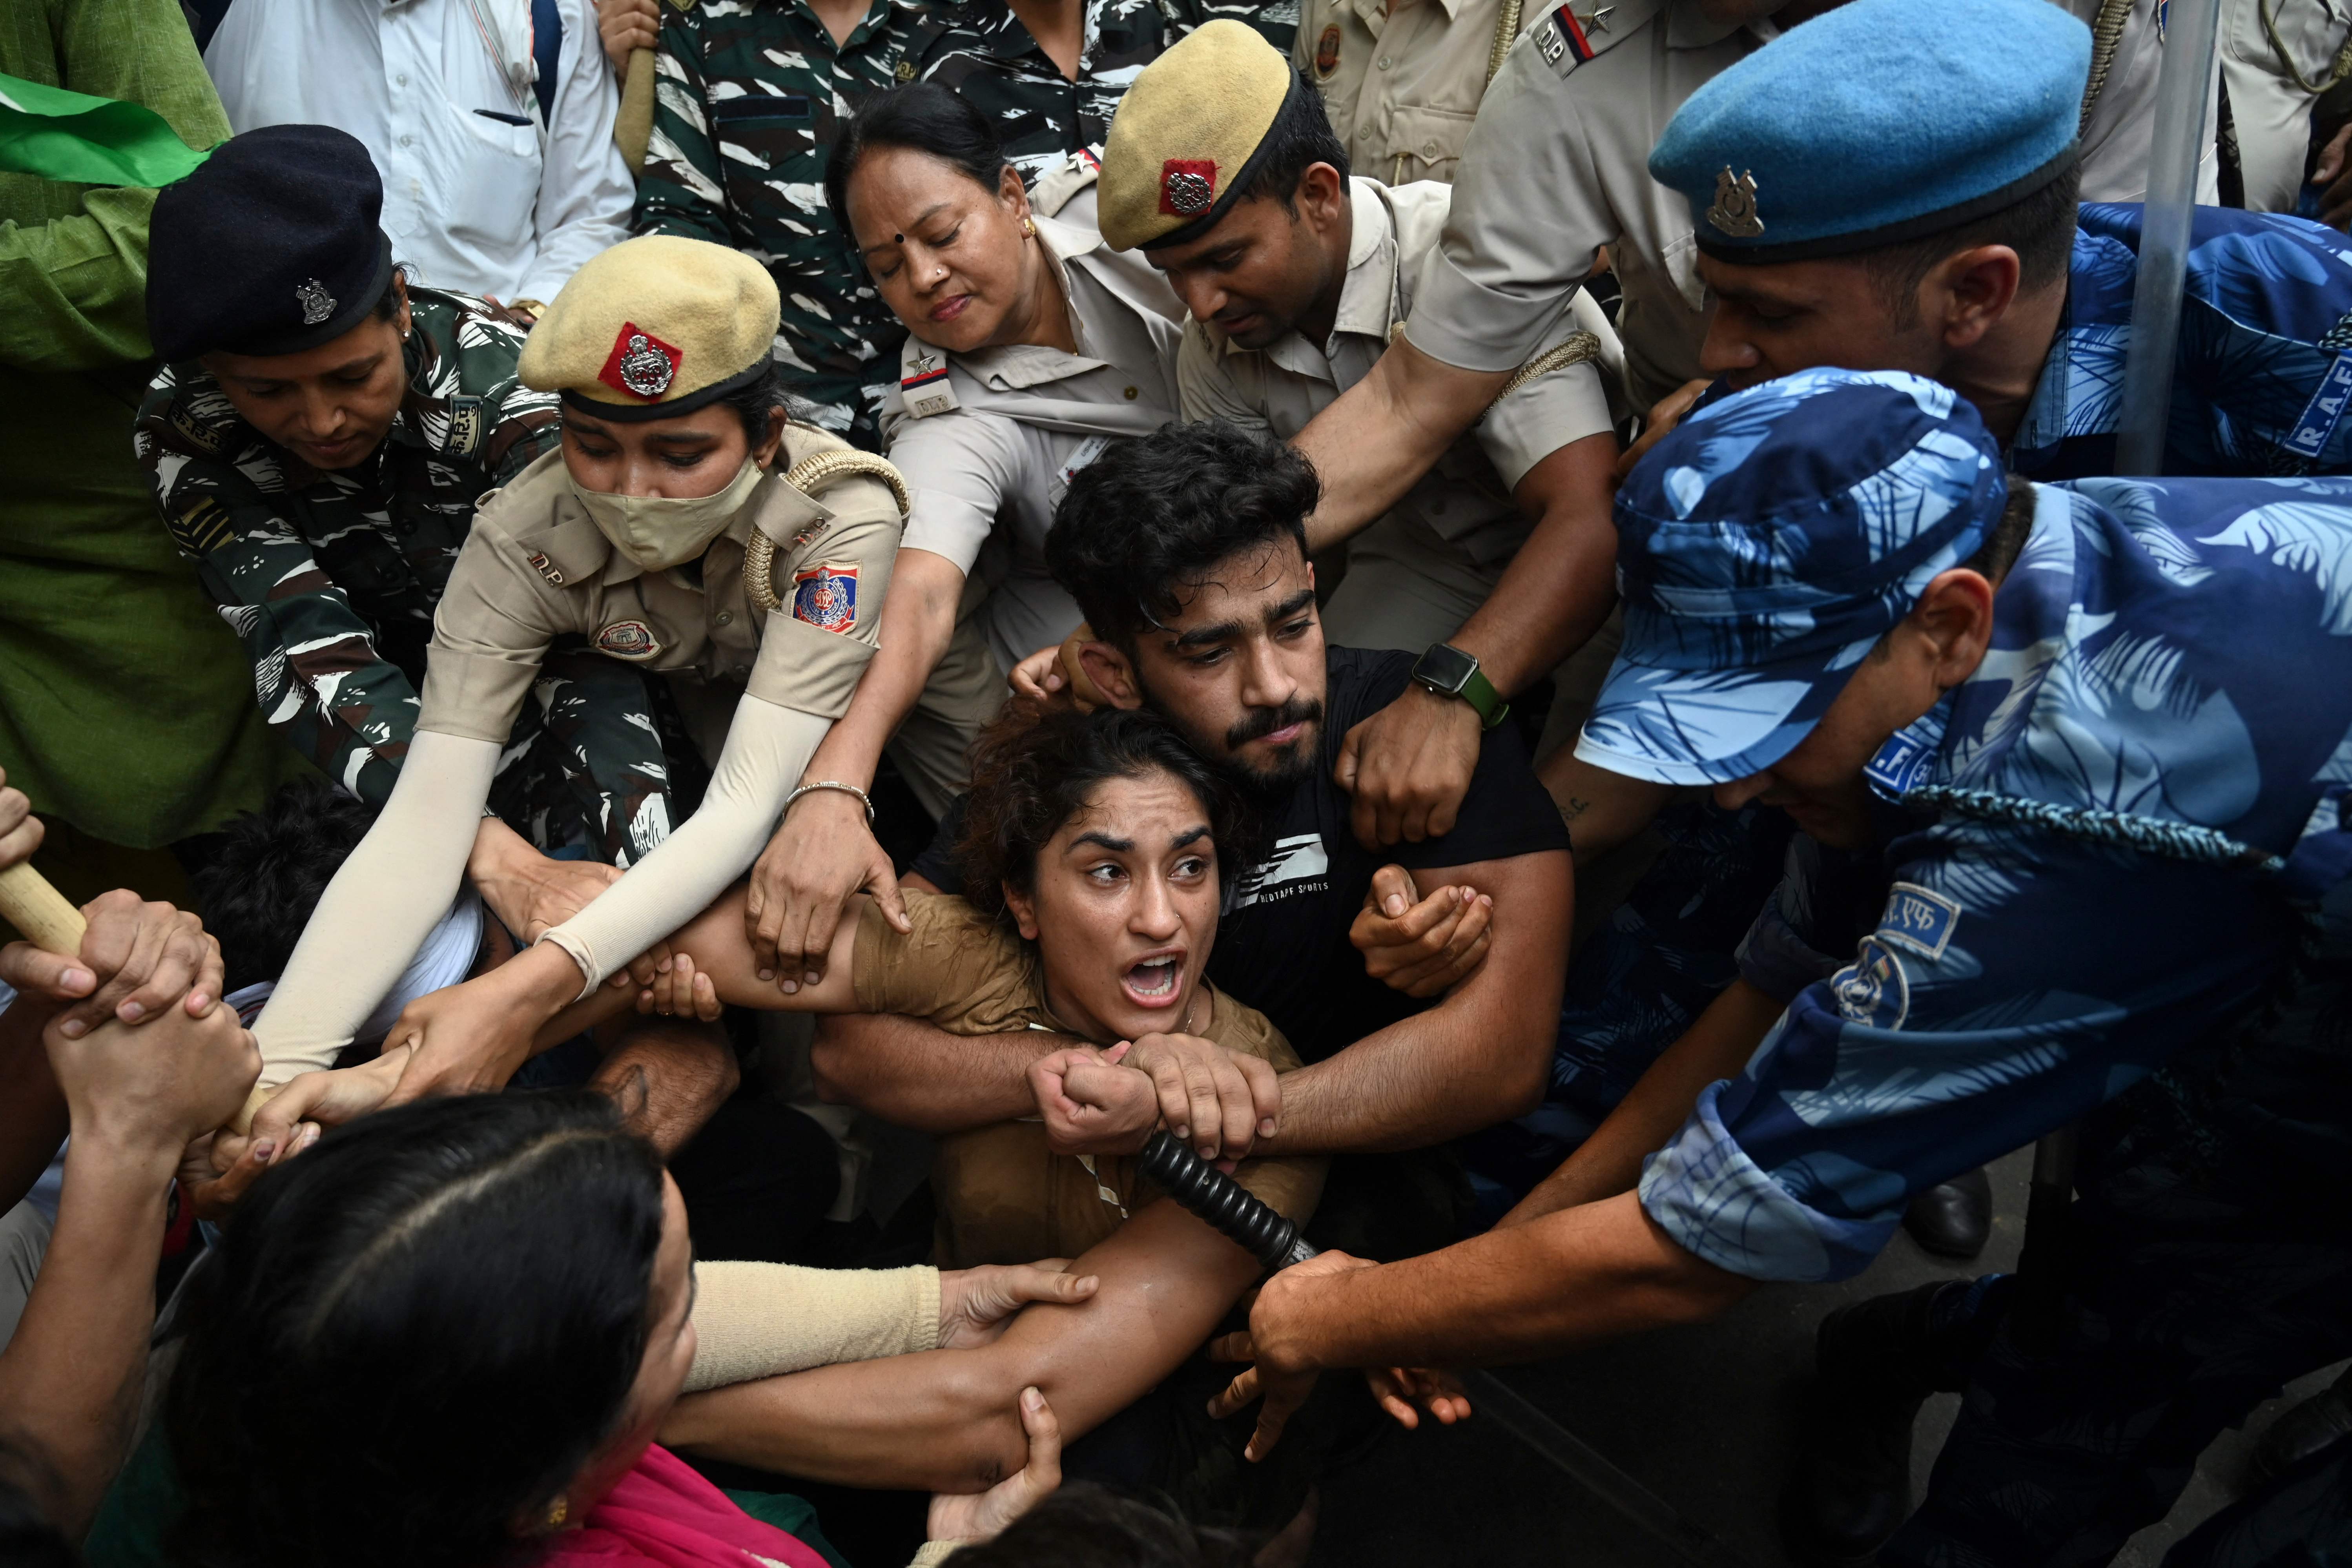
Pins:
x,y
656,531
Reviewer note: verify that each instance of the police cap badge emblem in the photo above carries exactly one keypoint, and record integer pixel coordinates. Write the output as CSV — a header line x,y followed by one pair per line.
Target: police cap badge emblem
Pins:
x,y
1188,187
318,305
640,364
1734,211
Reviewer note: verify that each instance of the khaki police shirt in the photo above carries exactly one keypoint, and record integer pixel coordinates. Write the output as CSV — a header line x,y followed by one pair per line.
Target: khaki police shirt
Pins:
x,y
1003,1196
1558,166
989,440
1400,79
536,566
1466,498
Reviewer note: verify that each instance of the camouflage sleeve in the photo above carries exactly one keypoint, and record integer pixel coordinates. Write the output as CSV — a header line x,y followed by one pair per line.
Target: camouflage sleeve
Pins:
x,y
680,190
316,672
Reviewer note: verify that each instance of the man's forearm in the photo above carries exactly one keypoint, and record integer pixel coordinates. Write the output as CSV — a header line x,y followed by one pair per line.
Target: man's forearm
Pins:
x,y
1373,444
1561,585
1571,1279
1480,1057
945,1420
1609,1161
669,1077
919,1075
69,1377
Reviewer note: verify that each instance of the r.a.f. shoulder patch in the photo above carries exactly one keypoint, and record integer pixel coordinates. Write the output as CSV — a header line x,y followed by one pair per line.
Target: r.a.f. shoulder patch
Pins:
x,y
825,596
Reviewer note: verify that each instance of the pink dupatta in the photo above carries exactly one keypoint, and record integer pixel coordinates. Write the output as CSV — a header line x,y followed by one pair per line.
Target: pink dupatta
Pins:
x,y
663,1512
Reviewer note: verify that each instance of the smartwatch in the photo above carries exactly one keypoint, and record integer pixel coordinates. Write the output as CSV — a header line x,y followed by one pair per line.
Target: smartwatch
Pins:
x,y
1448,671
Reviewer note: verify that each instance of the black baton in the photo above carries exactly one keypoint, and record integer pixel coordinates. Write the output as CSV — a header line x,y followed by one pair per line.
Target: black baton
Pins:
x,y
1233,1213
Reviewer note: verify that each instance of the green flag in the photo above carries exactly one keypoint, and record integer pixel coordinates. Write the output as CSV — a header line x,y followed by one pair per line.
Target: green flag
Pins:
x,y
80,140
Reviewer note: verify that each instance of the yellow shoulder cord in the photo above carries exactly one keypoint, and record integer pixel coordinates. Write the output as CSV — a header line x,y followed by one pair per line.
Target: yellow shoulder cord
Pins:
x,y
1506,27
817,471
1577,348
2337,73
2107,32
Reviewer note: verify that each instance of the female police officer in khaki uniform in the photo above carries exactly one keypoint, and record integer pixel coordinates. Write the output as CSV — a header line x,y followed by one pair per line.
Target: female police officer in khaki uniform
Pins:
x,y
679,528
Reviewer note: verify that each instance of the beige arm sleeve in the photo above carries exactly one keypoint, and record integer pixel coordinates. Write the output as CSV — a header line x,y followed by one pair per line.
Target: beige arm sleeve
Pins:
x,y
767,747
762,1319
380,906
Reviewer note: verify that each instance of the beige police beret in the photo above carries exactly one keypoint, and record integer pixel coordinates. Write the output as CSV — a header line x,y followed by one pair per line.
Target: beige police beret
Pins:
x,y
655,327
1186,132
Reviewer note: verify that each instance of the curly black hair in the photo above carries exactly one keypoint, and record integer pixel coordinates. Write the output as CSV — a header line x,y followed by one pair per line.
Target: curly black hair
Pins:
x,y
1150,518
1030,775
263,877
415,1335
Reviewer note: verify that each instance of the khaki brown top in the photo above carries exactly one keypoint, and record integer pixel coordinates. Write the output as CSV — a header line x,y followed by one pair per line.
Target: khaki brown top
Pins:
x,y
536,566
654,327
1186,134
1003,1196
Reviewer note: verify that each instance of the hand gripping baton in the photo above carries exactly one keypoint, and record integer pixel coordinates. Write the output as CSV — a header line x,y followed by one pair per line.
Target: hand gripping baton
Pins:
x,y
1229,1208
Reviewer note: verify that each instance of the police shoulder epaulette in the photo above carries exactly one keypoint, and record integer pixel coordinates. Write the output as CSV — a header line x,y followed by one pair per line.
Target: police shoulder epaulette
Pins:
x,y
923,380
1058,184
1568,38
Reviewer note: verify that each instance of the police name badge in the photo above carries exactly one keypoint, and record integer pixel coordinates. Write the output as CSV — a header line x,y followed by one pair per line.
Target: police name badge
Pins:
x,y
466,423
628,639
1919,918
825,596
1734,211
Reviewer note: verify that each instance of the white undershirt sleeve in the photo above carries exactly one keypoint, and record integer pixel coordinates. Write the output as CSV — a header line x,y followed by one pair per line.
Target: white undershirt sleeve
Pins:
x,y
767,748
389,893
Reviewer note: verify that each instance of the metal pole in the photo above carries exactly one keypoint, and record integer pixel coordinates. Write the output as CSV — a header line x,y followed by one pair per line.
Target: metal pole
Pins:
x,y
2183,84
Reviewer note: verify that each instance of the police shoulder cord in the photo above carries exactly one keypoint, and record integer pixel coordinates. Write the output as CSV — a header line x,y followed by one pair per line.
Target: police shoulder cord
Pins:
x,y
2116,829
817,471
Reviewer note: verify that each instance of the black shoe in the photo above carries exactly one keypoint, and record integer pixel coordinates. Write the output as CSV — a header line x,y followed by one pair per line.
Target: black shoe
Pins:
x,y
1954,1218
1849,1489
2300,1432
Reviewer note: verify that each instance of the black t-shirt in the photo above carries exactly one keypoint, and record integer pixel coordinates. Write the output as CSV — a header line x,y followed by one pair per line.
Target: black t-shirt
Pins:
x,y
1282,943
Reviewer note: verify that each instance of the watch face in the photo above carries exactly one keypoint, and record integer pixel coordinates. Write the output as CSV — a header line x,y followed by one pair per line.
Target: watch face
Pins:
x,y
1444,667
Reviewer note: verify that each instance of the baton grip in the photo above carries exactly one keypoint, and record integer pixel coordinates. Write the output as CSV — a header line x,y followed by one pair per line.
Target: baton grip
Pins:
x,y
1223,1204
30,903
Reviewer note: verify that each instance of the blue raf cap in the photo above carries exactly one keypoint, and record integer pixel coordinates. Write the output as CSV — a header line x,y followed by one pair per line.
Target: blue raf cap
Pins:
x,y
1764,546
1880,121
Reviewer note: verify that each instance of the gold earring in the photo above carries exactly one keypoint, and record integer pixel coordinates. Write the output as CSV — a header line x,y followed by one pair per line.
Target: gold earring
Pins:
x,y
560,1511
1029,227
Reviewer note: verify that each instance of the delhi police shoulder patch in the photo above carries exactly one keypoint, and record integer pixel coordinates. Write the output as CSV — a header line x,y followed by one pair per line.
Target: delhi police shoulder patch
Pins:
x,y
628,639
825,596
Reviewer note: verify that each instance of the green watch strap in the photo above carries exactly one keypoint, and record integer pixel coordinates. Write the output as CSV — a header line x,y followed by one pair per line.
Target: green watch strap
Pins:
x,y
1480,693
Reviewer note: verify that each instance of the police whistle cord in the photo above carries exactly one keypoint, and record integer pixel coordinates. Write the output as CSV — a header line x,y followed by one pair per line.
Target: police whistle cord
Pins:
x,y
1229,1208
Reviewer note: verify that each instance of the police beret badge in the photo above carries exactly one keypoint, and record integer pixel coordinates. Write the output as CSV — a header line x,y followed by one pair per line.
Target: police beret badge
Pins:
x,y
1188,187
825,596
1734,211
640,364
318,305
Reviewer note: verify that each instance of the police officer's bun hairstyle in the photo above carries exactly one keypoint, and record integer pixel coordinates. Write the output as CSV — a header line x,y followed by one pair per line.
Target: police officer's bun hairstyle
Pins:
x,y
1149,520
1032,774
412,1337
1300,137
922,117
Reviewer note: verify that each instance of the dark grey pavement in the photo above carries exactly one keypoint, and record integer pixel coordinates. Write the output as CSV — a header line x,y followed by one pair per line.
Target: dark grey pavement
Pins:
x,y
1702,1415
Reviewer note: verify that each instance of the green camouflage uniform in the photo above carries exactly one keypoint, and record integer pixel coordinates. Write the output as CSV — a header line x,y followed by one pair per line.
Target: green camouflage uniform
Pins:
x,y
983,51
751,94
330,580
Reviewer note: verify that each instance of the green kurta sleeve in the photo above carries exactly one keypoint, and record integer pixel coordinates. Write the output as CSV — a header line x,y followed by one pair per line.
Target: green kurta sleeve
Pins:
x,y
125,703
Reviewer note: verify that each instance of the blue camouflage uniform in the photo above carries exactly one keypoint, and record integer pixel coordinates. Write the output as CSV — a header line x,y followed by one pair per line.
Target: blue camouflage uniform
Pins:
x,y
2101,783
2264,363
2112,881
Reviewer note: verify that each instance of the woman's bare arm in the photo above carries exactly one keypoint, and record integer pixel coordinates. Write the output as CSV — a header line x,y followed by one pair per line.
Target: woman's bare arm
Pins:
x,y
715,944
947,1420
